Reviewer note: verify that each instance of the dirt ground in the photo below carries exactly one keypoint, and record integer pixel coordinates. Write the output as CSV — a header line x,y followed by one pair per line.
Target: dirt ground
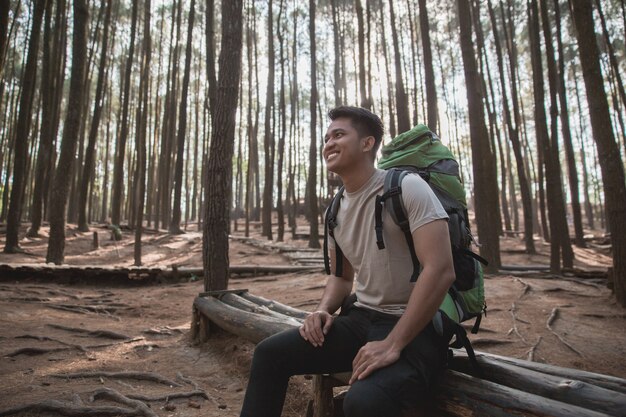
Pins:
x,y
101,333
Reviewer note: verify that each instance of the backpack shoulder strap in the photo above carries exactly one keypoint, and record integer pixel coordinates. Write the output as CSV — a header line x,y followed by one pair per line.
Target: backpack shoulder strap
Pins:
x,y
392,199
330,223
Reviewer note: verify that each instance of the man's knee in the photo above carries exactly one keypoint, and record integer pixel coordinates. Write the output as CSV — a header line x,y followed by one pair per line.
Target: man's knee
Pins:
x,y
367,399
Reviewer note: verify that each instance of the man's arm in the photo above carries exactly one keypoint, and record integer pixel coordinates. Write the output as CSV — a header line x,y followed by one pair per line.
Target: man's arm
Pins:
x,y
317,324
432,247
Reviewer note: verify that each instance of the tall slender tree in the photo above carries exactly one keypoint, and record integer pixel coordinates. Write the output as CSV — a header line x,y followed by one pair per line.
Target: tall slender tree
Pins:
x,y
4,26
51,92
311,185
182,129
88,166
118,168
611,165
429,73
65,167
142,128
513,130
483,160
219,168
268,136
22,131
402,102
567,134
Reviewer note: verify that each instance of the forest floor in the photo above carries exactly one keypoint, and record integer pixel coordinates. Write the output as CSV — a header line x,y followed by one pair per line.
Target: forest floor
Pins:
x,y
64,342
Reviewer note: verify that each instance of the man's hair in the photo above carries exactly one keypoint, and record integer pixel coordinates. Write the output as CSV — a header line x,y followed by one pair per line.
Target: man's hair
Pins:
x,y
364,121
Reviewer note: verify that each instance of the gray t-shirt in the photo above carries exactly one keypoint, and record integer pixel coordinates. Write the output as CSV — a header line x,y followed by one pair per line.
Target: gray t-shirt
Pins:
x,y
382,276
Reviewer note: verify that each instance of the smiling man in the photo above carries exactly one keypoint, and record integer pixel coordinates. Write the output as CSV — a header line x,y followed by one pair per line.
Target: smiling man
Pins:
x,y
385,337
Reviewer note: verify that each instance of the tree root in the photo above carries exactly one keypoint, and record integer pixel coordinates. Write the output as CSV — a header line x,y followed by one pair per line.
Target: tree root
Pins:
x,y
70,410
32,351
527,288
111,394
144,376
50,339
530,354
553,316
515,320
93,333
163,331
168,397
186,380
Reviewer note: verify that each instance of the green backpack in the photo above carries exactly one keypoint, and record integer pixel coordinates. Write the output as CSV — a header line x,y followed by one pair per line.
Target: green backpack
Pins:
x,y
420,151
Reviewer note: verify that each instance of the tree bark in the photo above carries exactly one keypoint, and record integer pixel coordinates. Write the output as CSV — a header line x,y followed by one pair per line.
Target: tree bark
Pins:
x,y
22,132
268,136
4,25
608,152
513,133
142,128
88,167
402,102
282,111
219,168
182,130
118,169
311,184
366,102
483,161
429,73
567,134
51,92
63,174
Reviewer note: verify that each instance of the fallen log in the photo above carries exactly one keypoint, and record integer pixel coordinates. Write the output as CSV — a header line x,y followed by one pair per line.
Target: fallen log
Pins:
x,y
567,390
250,326
604,381
512,387
460,394
276,306
241,303
139,275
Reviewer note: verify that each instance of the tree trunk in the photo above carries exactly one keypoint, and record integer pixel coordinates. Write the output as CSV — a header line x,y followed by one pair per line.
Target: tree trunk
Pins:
x,y
608,152
118,169
22,132
311,184
4,25
546,139
280,212
51,91
219,169
365,100
95,123
142,128
513,130
483,161
63,175
429,73
567,134
402,103
182,130
268,137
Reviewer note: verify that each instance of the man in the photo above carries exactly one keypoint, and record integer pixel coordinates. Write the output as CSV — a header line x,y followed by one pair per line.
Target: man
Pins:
x,y
386,338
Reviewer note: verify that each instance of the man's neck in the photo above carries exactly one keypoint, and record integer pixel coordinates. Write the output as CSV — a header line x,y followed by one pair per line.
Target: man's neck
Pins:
x,y
357,177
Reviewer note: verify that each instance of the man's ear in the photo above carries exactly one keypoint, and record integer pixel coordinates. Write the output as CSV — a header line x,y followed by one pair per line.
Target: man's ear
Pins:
x,y
368,144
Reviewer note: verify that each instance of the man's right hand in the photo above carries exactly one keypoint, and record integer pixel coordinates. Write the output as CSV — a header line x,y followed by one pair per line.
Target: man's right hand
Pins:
x,y
316,326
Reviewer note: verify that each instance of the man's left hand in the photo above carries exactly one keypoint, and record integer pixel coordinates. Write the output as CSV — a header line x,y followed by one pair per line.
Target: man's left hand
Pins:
x,y
373,356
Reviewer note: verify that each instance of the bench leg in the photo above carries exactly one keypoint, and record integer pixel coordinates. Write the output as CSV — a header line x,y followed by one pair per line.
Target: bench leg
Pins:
x,y
322,396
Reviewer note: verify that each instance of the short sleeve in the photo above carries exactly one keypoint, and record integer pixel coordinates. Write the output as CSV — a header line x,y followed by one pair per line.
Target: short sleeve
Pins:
x,y
421,203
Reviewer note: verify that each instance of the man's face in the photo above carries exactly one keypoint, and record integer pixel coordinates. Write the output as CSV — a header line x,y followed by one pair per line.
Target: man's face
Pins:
x,y
343,147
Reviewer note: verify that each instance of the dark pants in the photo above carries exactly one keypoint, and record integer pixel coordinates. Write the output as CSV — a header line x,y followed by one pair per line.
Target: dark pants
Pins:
x,y
386,392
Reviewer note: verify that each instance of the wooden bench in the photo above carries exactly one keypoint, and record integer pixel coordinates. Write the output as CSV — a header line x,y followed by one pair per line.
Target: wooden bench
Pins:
x,y
509,387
